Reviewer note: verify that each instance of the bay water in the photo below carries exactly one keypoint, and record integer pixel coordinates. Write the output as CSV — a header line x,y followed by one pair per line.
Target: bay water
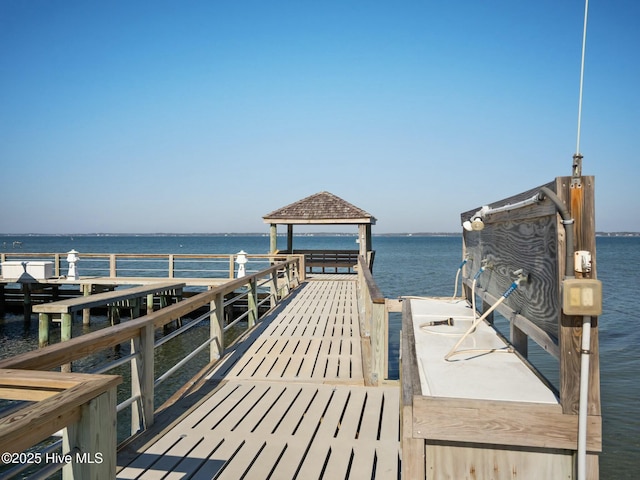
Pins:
x,y
412,265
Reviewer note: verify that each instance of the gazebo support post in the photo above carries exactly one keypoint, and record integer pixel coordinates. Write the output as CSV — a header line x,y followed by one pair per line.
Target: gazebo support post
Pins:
x,y
289,237
273,243
364,236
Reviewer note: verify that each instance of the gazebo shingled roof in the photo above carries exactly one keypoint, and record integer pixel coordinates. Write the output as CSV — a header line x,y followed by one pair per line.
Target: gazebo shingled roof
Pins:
x,y
322,208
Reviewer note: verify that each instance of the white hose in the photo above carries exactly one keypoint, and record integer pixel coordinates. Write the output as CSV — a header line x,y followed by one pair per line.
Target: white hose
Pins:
x,y
473,298
473,326
425,327
455,290
454,351
584,398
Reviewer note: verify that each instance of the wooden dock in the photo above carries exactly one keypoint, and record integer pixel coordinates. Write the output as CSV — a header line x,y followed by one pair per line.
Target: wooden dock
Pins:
x,y
304,392
293,404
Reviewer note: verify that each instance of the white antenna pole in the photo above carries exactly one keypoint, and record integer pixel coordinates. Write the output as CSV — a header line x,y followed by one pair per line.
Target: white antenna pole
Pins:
x,y
584,44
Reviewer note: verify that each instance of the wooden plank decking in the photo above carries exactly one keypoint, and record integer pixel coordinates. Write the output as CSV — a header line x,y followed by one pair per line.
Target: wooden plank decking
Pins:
x,y
294,405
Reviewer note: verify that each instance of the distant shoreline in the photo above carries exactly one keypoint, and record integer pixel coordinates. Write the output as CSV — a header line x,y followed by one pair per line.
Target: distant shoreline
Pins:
x,y
260,234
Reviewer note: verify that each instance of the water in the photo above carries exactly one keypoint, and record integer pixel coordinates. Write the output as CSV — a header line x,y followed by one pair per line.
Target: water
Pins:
x,y
419,265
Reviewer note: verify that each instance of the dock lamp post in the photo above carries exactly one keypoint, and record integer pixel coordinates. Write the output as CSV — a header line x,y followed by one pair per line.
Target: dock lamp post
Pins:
x,y
241,260
72,258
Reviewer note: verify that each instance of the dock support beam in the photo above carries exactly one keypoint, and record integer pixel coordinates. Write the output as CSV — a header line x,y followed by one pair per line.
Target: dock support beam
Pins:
x,y
26,293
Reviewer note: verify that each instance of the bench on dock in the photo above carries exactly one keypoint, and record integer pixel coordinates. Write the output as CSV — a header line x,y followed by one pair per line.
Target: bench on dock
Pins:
x,y
331,260
63,310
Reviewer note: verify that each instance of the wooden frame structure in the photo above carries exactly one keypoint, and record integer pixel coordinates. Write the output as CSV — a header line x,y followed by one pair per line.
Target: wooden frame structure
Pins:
x,y
458,437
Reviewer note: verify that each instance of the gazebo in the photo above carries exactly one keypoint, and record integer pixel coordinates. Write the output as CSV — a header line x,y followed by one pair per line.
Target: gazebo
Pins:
x,y
322,208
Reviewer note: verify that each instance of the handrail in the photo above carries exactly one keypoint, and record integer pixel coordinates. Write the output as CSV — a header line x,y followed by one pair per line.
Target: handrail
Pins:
x,y
372,286
140,332
76,348
17,430
374,324
61,401
152,264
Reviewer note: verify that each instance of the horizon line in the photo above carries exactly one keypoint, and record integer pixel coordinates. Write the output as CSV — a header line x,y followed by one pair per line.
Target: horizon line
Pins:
x,y
26,234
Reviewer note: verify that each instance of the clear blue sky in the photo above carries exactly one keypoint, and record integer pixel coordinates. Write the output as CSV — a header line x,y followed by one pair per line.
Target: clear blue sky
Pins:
x,y
202,116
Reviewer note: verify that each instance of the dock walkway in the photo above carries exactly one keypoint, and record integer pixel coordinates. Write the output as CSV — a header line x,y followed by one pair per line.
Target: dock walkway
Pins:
x,y
292,404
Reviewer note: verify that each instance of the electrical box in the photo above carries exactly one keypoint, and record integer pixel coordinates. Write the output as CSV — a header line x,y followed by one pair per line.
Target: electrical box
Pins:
x,y
582,296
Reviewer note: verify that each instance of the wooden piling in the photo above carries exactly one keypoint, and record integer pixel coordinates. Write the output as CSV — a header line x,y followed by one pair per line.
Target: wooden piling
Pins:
x,y
43,330
2,301
26,299
86,313
581,199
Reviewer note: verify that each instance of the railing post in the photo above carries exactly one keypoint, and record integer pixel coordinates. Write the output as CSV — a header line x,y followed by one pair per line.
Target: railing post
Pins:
x,y
112,266
275,296
65,334
135,307
290,276
252,303
142,381
302,268
171,265
56,265
378,341
150,302
91,442
216,330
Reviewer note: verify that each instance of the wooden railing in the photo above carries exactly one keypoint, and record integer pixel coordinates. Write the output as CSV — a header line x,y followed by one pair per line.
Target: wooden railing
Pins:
x,y
275,282
148,264
83,405
374,325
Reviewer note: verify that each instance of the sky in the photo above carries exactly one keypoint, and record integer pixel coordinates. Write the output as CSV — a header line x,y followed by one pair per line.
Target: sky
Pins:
x,y
203,116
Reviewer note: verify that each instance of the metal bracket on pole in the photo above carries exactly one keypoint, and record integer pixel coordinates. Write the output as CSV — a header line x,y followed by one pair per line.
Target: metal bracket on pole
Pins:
x,y
576,174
